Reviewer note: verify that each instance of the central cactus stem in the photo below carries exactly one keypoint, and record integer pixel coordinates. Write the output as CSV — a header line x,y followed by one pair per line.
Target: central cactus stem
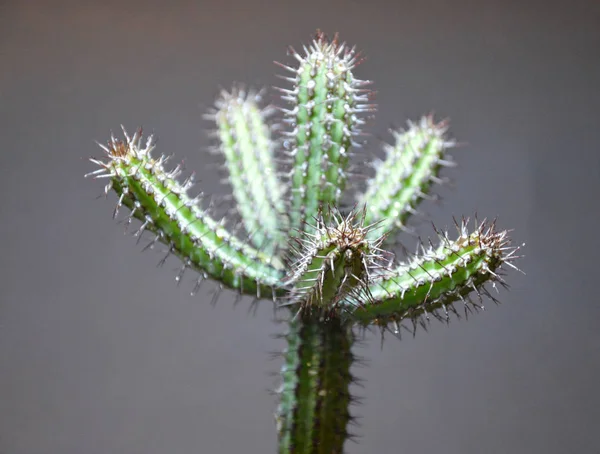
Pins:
x,y
314,397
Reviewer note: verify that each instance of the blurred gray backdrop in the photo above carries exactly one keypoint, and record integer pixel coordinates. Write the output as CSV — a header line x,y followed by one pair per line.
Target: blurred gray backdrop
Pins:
x,y
101,352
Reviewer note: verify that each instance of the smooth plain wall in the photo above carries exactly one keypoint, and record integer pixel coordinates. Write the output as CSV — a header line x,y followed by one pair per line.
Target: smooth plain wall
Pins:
x,y
101,352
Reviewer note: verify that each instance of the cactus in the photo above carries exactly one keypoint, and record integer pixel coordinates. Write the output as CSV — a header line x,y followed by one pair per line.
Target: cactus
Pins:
x,y
314,412
324,266
245,142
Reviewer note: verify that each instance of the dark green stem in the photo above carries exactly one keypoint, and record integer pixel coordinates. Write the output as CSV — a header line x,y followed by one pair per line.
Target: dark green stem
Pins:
x,y
314,404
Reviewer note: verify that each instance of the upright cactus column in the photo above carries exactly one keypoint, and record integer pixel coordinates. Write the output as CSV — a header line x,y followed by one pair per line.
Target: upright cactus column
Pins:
x,y
326,102
325,268
405,177
314,413
245,142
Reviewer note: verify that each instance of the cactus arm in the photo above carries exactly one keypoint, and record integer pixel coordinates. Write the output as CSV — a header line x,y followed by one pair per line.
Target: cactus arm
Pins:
x,y
313,413
326,102
437,278
245,142
406,175
161,202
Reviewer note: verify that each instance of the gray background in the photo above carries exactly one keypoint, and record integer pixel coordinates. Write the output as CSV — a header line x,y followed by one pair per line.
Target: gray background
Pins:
x,y
100,352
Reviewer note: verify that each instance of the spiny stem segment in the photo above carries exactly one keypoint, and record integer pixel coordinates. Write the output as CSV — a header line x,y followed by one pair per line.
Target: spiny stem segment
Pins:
x,y
438,277
245,142
156,198
313,413
334,262
406,175
324,118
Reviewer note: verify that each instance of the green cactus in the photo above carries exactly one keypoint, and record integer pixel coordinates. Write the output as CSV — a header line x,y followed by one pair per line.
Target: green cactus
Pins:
x,y
333,263
245,142
326,102
323,265
404,179
314,409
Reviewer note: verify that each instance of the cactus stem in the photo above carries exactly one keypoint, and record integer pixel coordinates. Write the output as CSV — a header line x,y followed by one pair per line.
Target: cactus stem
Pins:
x,y
405,177
438,276
161,203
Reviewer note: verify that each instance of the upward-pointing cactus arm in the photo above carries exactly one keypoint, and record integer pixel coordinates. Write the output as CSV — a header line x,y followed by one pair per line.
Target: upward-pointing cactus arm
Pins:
x,y
324,117
333,263
406,175
245,141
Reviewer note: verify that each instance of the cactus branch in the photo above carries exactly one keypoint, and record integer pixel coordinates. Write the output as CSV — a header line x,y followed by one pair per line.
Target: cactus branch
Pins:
x,y
405,177
334,262
155,197
438,277
245,142
327,101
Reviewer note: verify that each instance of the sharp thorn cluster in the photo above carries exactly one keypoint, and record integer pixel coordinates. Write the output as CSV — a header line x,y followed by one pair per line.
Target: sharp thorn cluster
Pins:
x,y
333,261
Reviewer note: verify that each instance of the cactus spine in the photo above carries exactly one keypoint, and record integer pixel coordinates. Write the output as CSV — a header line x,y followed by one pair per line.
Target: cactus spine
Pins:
x,y
323,266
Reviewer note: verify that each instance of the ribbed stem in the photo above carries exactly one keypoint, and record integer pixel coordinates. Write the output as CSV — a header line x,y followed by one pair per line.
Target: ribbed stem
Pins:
x,y
406,175
436,278
314,404
161,202
245,142
332,263
326,102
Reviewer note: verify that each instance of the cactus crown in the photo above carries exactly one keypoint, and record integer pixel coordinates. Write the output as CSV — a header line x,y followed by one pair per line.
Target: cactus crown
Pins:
x,y
301,247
